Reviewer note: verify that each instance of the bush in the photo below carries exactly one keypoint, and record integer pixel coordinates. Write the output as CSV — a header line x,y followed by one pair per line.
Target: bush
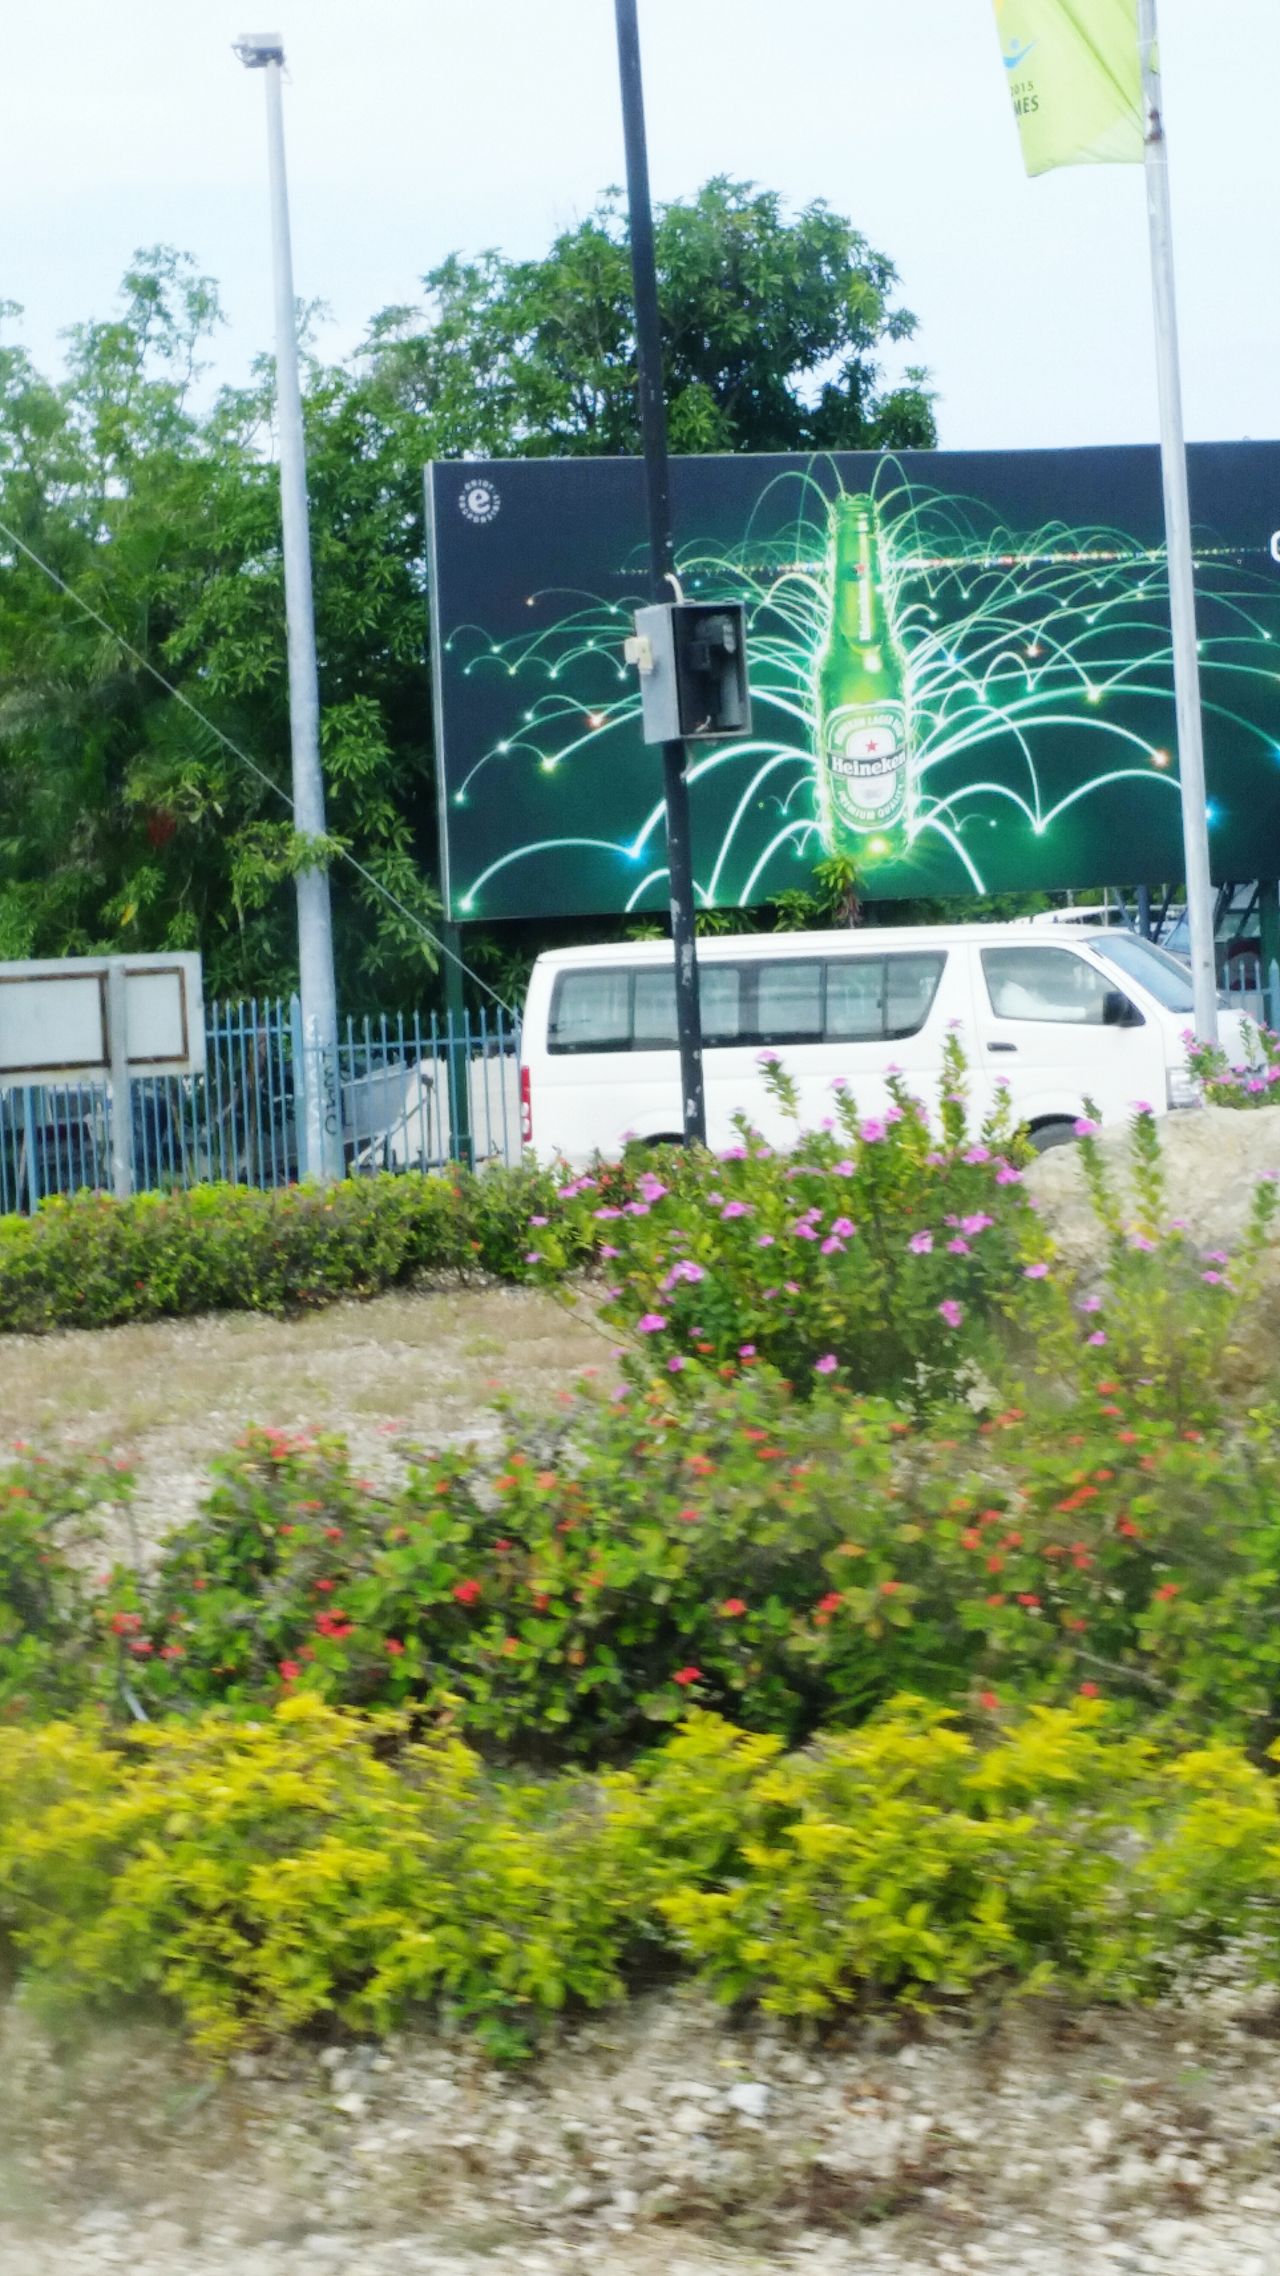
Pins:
x,y
789,1563
301,1871
1251,1085
48,1523
89,1261
876,1252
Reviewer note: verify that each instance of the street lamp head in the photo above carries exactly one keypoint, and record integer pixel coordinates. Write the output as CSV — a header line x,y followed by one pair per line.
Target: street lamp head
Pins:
x,y
257,49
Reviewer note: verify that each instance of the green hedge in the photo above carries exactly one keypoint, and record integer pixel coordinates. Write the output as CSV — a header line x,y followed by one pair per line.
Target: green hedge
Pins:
x,y
314,1868
90,1261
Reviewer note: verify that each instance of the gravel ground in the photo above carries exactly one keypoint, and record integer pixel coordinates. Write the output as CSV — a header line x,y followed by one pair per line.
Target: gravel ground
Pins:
x,y
664,2140
176,1392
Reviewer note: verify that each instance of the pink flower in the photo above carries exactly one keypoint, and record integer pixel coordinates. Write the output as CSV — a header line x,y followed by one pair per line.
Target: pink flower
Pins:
x,y
675,1364
951,1312
977,1154
844,1228
920,1244
1214,1279
977,1224
1140,1241
533,1256
736,1209
839,1083
1090,1304
651,1323
1097,1337
842,1169
1085,1128
827,1365
1007,1175
871,1133
765,1241
539,1220
1037,1271
832,1247
959,1248
766,1058
746,1351
652,1187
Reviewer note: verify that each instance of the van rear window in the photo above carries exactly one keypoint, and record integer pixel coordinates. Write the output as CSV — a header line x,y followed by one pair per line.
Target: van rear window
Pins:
x,y
775,1000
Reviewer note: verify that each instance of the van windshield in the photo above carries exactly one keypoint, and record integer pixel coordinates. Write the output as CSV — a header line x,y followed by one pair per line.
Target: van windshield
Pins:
x,y
1159,973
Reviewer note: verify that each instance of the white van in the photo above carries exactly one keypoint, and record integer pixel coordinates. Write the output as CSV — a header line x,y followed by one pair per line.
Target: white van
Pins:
x,y
1102,1015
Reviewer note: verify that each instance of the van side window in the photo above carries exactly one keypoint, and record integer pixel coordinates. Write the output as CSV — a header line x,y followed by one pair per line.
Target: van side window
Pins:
x,y
1045,983
789,1002
880,999
591,1011
910,985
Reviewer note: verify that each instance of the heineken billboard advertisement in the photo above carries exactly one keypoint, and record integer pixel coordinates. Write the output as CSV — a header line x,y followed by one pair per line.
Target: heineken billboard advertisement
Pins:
x,y
961,674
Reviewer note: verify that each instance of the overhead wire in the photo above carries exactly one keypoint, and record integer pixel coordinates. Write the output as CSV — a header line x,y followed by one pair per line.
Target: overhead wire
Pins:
x,y
228,742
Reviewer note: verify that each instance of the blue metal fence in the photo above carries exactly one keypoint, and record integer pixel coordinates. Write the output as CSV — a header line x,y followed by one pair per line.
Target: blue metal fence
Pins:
x,y
416,1091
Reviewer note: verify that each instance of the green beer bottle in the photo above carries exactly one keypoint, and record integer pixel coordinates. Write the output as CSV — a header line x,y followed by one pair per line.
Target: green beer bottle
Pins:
x,y
864,733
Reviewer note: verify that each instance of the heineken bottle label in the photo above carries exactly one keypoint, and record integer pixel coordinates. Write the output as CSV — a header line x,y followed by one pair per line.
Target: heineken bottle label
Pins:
x,y
867,764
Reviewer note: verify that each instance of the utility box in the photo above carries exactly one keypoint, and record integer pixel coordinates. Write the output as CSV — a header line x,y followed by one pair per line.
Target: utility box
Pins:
x,y
692,657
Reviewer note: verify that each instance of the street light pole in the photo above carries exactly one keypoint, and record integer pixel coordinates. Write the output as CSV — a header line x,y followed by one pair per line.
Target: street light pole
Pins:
x,y
264,51
662,562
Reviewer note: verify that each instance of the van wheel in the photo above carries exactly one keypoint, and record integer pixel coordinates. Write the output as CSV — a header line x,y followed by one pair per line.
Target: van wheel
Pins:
x,y
1046,1135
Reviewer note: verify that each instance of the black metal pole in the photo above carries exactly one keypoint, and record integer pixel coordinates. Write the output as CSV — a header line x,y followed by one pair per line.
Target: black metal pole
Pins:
x,y
653,427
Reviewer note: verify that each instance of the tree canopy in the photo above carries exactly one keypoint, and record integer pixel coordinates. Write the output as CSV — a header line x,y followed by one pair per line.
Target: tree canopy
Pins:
x,y
129,819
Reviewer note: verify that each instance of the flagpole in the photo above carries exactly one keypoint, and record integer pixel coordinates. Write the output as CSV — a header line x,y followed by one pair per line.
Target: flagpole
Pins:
x,y
1177,514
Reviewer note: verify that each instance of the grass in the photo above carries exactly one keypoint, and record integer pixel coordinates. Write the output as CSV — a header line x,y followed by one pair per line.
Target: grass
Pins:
x,y
176,1392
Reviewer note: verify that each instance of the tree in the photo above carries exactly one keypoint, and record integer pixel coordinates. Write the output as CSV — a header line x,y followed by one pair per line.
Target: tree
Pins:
x,y
129,819
773,333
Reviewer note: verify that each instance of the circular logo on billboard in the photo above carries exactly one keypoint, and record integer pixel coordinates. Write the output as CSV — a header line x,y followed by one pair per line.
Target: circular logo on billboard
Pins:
x,y
481,501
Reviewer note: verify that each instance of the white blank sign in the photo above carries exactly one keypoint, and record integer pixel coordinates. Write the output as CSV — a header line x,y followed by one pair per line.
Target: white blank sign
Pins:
x,y
53,1018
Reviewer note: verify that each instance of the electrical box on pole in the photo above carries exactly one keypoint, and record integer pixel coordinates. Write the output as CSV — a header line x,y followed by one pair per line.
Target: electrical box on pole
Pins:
x,y
692,659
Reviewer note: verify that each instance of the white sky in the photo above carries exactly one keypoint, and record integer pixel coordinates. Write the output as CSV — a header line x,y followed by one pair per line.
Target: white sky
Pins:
x,y
420,126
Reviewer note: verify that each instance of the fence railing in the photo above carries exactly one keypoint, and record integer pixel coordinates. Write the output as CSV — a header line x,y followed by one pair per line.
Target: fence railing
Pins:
x,y
416,1091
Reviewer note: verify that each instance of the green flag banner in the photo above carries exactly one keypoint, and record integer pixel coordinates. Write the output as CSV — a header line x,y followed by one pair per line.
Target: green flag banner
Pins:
x,y
1076,80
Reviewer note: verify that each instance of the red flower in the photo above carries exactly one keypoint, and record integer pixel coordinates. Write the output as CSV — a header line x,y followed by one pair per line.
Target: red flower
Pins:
x,y
831,1603
333,1533
142,1646
732,1608
997,1601
687,1516
199,1582
466,1592
502,1547
394,1646
1032,1602
171,1652
1169,1589
326,1586
289,1671
126,1623
989,1700
687,1675
1088,1691
972,1539
890,1588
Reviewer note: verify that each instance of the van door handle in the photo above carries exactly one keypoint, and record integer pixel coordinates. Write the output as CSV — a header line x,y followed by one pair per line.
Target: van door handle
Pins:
x,y
1002,1047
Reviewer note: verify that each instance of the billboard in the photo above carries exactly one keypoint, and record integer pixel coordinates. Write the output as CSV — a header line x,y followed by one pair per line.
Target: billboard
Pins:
x,y
961,674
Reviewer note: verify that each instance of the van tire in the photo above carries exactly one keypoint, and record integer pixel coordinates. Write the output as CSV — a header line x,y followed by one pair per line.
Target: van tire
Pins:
x,y
1044,1136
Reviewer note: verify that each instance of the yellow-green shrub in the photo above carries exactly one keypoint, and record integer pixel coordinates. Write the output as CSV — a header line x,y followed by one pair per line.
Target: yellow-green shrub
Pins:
x,y
318,1866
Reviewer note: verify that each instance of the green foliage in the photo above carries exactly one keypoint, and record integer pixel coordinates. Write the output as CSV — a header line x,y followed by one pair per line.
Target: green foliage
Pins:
x,y
49,1521
1249,1085
315,1868
86,1260
875,1251
131,823
773,330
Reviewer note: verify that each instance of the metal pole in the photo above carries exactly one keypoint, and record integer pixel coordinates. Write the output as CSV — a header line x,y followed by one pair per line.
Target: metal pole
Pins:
x,y
121,1096
653,427
1177,514
319,1072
